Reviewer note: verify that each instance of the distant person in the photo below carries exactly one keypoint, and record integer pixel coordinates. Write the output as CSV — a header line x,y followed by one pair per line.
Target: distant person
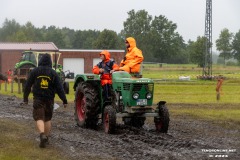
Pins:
x,y
9,75
44,82
219,87
133,58
105,68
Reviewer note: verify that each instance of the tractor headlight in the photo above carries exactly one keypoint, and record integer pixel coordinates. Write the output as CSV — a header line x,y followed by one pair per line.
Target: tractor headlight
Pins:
x,y
135,95
149,95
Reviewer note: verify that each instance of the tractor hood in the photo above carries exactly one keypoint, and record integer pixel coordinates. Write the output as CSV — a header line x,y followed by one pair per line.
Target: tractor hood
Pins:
x,y
134,91
125,77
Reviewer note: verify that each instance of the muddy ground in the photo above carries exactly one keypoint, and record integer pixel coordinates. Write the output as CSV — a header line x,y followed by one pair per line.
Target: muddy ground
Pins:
x,y
187,138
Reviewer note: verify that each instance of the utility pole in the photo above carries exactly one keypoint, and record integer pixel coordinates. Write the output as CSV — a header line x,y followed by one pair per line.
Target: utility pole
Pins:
x,y
207,66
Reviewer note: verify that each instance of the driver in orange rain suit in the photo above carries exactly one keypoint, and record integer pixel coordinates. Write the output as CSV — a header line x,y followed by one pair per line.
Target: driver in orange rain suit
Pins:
x,y
133,58
105,68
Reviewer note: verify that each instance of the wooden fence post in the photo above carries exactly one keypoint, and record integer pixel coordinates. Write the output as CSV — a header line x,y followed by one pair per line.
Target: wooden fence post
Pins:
x,y
19,86
12,86
5,85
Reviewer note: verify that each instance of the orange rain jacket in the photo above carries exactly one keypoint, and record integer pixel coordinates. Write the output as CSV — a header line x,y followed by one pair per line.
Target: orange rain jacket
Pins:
x,y
133,58
107,65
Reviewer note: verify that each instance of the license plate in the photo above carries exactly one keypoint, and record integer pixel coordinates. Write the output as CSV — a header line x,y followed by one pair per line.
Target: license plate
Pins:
x,y
142,102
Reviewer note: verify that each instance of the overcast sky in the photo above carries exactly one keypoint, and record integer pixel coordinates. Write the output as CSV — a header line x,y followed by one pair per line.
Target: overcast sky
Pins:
x,y
189,15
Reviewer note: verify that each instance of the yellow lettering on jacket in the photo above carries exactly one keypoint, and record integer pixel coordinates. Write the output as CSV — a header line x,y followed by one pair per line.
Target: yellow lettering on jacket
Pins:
x,y
44,81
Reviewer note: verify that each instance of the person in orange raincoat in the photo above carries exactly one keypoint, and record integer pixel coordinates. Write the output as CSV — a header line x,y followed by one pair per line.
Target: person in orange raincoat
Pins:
x,y
105,68
133,58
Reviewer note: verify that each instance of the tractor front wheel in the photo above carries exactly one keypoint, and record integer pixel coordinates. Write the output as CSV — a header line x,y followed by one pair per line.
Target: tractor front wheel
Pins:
x,y
86,105
109,120
162,122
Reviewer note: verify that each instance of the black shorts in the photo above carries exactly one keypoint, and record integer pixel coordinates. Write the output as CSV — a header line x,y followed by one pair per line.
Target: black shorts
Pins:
x,y
42,109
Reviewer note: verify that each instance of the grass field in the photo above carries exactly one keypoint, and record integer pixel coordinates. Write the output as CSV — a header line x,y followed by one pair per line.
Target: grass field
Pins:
x,y
168,87
14,147
173,71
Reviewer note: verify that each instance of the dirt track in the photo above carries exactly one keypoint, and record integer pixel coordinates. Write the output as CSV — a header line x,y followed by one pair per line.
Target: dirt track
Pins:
x,y
187,138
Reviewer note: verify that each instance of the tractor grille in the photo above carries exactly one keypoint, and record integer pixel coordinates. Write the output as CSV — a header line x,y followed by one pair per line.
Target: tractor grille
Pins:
x,y
126,86
138,87
119,88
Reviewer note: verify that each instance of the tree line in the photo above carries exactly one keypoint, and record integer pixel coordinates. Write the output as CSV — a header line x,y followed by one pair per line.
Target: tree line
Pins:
x,y
156,37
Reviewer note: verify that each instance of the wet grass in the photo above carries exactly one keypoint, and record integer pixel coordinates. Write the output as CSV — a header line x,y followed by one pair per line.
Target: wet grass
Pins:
x,y
197,92
15,144
227,115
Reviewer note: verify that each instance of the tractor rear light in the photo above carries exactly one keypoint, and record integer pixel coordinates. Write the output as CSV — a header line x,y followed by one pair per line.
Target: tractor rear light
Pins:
x,y
135,95
149,95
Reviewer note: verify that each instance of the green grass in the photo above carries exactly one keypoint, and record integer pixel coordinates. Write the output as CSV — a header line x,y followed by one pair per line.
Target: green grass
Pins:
x,y
227,115
196,92
173,71
14,144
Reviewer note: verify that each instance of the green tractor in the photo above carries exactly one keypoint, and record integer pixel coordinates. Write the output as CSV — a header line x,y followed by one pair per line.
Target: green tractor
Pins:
x,y
29,60
131,99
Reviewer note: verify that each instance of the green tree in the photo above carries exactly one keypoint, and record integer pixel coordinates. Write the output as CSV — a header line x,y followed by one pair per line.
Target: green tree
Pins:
x,y
18,37
223,44
30,32
55,35
107,39
68,35
236,46
85,39
9,30
157,37
138,25
197,51
166,42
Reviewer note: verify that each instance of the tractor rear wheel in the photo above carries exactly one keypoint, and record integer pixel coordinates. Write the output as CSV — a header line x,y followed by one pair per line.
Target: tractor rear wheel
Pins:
x,y
162,122
86,105
109,120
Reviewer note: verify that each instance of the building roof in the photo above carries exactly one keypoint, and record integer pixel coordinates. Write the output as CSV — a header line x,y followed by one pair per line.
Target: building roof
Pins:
x,y
39,46
89,50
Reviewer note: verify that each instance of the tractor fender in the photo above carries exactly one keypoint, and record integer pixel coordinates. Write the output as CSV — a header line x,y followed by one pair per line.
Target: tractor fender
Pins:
x,y
90,78
18,65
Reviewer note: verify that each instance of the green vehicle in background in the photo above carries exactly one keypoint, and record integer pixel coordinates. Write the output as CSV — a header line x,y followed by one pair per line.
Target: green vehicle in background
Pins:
x,y
29,60
131,99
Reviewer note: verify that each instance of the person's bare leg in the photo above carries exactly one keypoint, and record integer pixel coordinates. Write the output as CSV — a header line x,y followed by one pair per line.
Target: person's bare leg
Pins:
x,y
47,128
40,126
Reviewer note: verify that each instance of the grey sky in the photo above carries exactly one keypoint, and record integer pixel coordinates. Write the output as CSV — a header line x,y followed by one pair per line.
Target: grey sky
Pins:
x,y
189,15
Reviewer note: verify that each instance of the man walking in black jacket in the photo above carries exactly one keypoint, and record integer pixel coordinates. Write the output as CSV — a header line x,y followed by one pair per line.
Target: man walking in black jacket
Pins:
x,y
44,82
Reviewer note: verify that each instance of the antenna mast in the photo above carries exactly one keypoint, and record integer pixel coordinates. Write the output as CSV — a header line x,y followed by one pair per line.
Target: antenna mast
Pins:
x,y
207,66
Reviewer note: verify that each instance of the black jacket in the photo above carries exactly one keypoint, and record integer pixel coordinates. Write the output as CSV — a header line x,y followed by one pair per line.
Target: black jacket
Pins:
x,y
45,82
